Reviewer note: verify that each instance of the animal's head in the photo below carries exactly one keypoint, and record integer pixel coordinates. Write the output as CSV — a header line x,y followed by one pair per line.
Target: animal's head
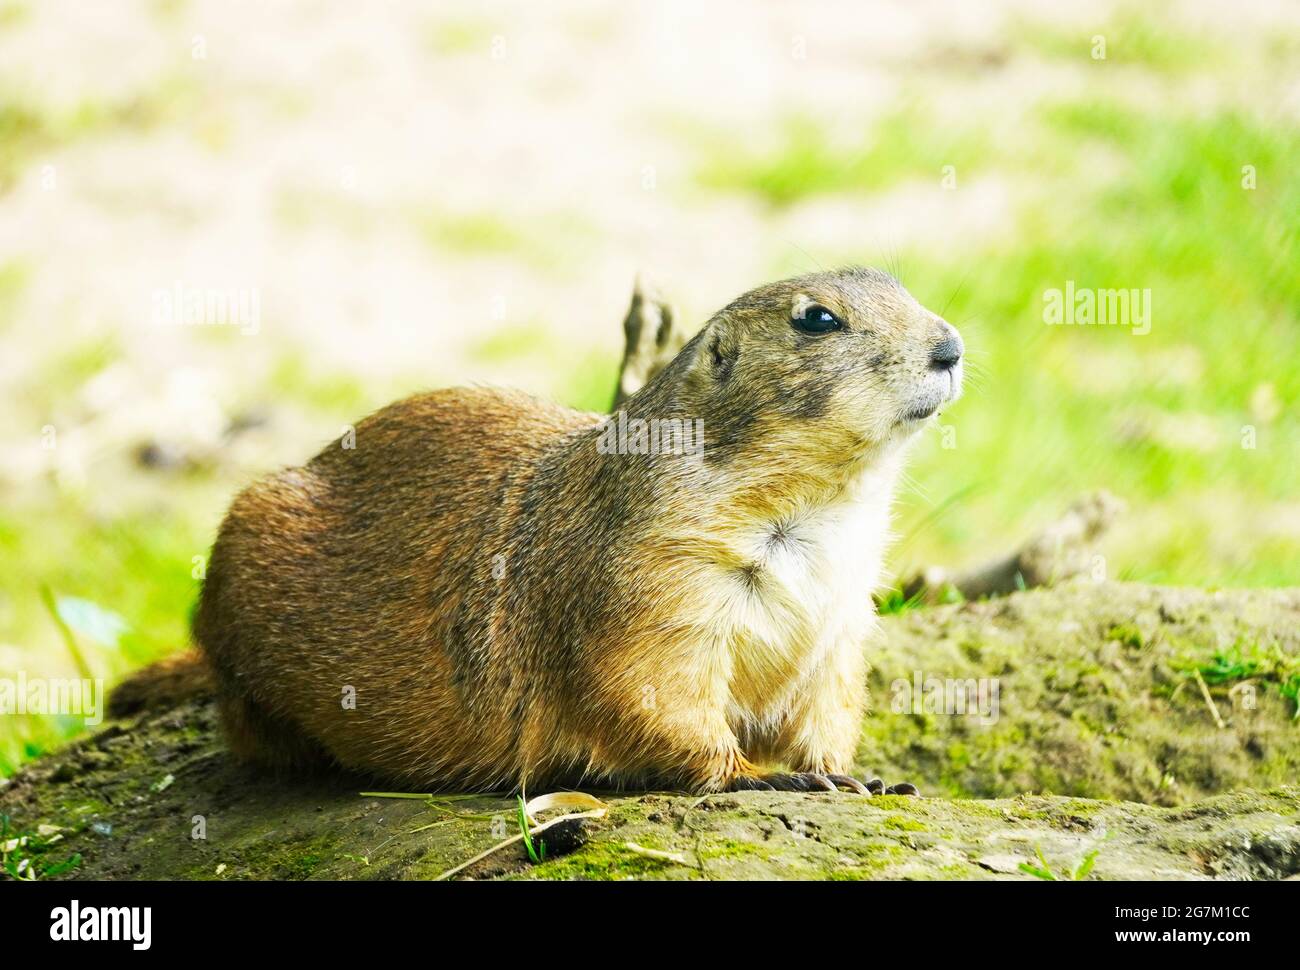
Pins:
x,y
831,366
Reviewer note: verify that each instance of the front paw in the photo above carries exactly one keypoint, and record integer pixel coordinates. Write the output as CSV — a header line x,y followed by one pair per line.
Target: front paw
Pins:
x,y
811,781
801,781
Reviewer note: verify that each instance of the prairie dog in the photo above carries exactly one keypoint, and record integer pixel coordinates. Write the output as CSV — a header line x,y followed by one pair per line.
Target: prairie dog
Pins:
x,y
487,590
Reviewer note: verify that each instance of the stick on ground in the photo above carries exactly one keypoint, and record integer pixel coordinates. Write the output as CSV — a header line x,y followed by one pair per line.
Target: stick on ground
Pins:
x,y
1060,551
653,339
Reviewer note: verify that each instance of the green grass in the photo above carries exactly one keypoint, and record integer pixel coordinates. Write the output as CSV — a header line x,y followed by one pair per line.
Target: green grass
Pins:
x,y
335,394
137,569
511,343
29,128
806,161
1133,38
585,381
545,242
1052,412
1220,262
1077,873
1268,665
27,856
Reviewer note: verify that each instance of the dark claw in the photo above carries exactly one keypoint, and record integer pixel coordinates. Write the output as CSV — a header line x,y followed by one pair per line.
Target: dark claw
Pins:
x,y
903,788
852,784
810,781
820,782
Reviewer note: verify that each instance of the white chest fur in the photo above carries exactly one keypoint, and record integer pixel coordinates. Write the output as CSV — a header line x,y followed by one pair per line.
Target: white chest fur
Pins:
x,y
805,591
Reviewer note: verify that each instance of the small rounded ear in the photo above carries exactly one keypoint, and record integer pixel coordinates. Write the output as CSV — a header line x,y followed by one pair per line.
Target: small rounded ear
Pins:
x,y
722,354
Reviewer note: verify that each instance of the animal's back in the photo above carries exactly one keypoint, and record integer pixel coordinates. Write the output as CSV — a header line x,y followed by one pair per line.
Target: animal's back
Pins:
x,y
487,591
338,593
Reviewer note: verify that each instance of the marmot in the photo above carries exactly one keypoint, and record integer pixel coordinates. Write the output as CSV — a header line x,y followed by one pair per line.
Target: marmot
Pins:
x,y
483,590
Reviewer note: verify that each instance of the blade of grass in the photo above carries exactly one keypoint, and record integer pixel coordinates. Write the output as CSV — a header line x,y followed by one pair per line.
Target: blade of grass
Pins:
x,y
47,597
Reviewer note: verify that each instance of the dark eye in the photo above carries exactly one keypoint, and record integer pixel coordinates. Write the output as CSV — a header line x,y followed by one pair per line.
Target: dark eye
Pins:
x,y
815,319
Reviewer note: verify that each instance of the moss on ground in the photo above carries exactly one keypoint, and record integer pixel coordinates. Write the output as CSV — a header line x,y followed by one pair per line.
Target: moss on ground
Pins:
x,y
1097,694
1080,708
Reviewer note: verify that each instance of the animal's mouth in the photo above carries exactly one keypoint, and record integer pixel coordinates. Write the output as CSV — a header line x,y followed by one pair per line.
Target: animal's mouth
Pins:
x,y
923,409
936,390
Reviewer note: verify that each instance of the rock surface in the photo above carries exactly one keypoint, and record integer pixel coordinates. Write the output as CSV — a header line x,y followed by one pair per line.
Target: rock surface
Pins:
x,y
1098,693
1097,696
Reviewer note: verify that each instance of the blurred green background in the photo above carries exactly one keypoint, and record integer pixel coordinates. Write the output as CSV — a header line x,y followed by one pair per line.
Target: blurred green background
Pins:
x,y
426,196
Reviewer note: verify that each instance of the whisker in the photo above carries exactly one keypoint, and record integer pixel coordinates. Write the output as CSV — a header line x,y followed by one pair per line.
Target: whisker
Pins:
x,y
944,311
810,256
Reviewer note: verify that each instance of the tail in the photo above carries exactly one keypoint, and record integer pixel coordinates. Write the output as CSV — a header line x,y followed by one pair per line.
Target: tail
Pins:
x,y
167,683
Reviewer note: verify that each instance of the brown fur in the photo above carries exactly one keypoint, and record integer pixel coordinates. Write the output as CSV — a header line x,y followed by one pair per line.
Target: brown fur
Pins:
x,y
511,605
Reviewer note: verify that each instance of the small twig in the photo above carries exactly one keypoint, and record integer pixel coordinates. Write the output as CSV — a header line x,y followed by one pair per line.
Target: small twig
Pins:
x,y
1209,701
658,854
47,597
432,825
1059,551
652,339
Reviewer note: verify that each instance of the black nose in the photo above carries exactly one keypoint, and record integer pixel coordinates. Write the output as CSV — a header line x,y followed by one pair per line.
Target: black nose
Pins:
x,y
947,353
